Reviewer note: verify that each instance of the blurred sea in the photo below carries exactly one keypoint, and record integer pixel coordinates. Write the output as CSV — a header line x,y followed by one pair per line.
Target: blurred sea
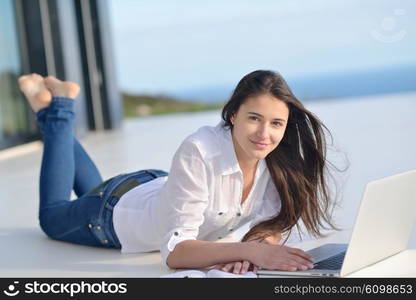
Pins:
x,y
323,86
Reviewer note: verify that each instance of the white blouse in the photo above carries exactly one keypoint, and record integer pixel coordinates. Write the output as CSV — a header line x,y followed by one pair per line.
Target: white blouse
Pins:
x,y
200,199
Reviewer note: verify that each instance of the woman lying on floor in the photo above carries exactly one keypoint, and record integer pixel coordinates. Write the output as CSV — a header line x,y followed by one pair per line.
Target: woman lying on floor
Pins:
x,y
265,162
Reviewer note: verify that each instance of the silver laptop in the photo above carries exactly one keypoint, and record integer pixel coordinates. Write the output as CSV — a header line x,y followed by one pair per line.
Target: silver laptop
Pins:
x,y
382,228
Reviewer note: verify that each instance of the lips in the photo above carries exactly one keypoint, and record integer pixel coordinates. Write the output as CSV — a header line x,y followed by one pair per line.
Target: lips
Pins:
x,y
259,145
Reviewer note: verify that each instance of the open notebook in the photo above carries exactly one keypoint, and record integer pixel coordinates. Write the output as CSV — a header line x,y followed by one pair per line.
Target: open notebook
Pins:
x,y
208,274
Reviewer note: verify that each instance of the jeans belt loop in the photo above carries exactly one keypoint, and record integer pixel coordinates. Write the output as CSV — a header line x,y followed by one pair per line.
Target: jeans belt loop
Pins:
x,y
151,172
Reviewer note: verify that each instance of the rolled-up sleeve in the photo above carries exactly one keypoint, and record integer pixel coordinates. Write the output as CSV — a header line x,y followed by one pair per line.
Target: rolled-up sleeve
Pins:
x,y
184,198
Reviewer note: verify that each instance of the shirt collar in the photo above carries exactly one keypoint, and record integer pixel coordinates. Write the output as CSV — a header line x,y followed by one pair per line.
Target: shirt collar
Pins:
x,y
229,162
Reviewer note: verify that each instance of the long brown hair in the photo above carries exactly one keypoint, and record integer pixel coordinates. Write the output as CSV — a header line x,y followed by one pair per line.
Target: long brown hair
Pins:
x,y
298,165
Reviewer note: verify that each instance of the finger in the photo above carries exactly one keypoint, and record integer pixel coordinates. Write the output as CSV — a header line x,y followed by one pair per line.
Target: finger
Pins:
x,y
304,262
217,266
287,267
301,253
295,264
299,262
237,267
245,266
299,258
300,267
255,269
227,267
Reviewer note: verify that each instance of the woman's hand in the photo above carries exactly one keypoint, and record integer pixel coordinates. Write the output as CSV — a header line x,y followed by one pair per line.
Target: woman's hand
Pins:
x,y
242,267
278,257
271,256
238,267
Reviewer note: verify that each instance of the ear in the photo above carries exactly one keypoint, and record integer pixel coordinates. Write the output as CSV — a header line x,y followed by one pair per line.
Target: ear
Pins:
x,y
232,118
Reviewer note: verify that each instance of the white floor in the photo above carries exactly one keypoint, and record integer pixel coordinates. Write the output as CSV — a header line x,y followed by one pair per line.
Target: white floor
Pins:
x,y
376,134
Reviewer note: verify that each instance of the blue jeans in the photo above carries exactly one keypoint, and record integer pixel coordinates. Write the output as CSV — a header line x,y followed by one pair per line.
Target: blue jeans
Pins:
x,y
66,166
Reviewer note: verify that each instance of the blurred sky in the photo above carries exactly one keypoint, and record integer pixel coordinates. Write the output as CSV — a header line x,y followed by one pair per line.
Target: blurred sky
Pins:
x,y
169,46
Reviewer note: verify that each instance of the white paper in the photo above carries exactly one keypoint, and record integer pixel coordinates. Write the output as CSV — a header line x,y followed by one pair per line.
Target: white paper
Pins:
x,y
210,274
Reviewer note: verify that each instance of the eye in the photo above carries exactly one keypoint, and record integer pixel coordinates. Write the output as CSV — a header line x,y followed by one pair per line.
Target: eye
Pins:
x,y
278,124
253,118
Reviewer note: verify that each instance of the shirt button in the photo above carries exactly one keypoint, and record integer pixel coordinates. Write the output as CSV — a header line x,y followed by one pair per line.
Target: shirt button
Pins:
x,y
238,214
105,241
220,213
89,225
176,233
219,237
98,227
231,229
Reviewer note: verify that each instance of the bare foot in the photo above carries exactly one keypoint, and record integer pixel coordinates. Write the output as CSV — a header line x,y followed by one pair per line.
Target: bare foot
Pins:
x,y
60,88
37,94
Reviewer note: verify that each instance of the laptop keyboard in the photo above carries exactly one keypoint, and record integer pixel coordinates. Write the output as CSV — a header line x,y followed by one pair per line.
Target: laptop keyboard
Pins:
x,y
331,263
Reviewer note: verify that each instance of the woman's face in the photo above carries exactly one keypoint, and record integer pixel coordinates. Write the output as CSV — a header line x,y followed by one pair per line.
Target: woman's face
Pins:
x,y
259,126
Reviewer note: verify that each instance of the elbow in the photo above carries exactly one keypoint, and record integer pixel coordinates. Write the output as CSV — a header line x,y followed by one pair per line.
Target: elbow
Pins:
x,y
170,262
177,257
173,259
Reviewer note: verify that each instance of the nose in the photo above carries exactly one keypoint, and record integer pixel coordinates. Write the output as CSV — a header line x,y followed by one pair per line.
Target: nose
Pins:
x,y
263,132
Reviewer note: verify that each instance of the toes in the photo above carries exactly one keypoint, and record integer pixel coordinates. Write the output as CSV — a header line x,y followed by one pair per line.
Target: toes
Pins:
x,y
51,78
73,89
51,81
25,84
22,79
60,88
36,76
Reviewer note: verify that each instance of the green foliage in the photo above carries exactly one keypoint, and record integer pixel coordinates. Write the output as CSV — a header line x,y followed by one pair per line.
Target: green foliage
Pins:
x,y
145,105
